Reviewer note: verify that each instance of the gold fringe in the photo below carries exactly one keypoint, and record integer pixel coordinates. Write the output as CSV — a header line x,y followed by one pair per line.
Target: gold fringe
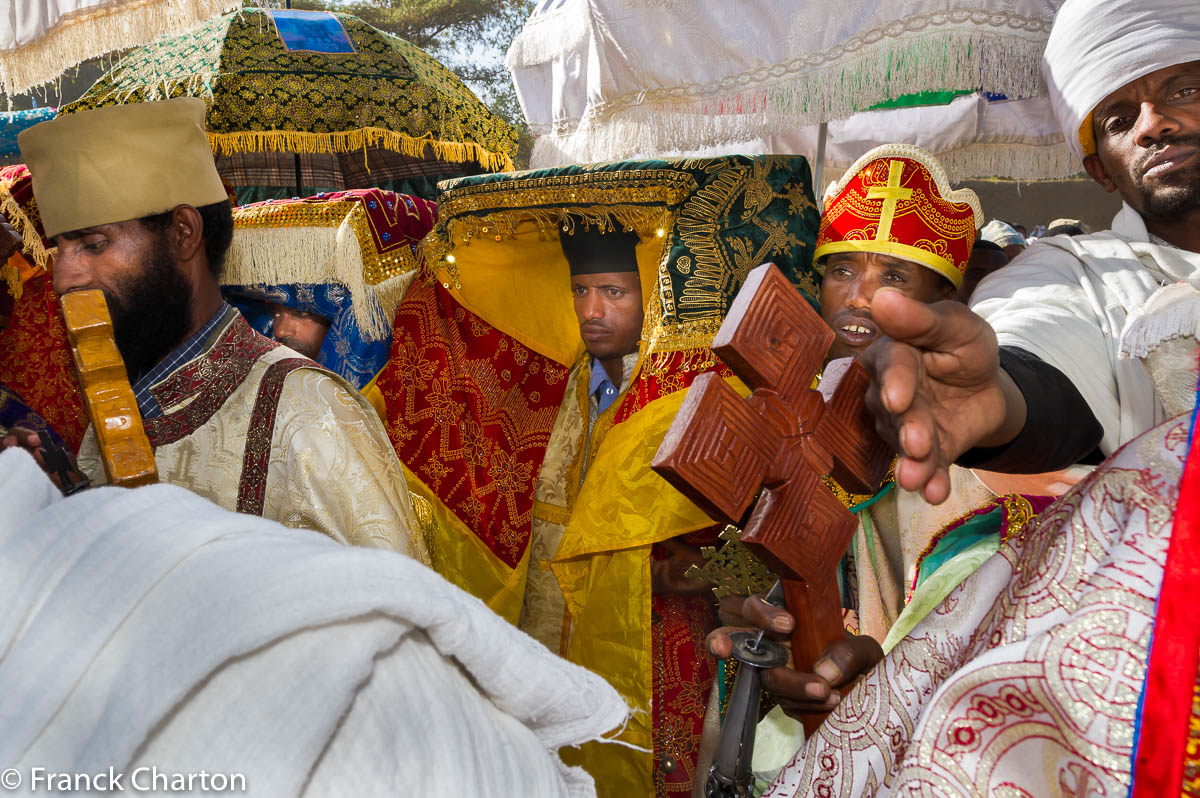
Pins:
x,y
282,255
13,278
435,251
92,32
357,140
31,242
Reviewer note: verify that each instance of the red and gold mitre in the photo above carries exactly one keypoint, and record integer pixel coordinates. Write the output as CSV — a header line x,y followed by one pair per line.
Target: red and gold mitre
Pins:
x,y
896,200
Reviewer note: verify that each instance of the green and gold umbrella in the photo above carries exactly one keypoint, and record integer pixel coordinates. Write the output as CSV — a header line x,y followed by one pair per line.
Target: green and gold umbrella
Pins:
x,y
358,106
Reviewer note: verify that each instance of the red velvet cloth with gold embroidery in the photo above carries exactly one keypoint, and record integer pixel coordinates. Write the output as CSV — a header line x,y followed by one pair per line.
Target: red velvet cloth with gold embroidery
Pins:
x,y
470,411
896,200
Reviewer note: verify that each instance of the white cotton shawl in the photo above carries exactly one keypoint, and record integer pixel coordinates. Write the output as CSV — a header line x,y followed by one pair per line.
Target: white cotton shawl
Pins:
x,y
1098,46
1066,299
148,627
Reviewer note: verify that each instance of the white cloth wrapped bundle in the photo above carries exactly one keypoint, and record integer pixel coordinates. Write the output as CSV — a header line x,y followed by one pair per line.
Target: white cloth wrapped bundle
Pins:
x,y
149,628
613,79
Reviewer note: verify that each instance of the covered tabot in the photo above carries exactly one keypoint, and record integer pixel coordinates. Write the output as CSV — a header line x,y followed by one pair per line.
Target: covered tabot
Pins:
x,y
484,342
361,106
346,256
606,79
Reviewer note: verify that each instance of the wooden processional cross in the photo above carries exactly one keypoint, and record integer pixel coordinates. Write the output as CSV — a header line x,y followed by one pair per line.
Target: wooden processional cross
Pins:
x,y
125,451
726,453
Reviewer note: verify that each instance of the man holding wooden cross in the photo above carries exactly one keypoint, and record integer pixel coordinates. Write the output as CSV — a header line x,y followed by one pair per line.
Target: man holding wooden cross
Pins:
x,y
891,221
1042,371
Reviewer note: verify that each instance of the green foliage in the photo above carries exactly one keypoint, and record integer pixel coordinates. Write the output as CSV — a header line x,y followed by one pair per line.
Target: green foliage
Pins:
x,y
469,36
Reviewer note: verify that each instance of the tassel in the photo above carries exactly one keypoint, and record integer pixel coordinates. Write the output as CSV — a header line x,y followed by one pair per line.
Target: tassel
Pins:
x,y
89,33
354,140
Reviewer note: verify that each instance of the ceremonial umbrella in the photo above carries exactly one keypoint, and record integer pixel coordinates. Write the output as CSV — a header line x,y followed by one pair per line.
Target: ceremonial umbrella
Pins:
x,y
41,39
724,76
359,106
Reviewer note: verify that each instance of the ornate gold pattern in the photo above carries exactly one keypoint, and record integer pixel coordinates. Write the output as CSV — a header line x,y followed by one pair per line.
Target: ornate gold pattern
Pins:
x,y
377,266
1026,680
262,96
733,569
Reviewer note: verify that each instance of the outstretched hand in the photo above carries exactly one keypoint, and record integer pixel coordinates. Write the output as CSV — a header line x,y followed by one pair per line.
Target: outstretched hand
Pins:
x,y
937,388
796,693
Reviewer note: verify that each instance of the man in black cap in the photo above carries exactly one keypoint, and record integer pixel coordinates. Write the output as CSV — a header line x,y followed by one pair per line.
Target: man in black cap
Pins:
x,y
608,303
607,292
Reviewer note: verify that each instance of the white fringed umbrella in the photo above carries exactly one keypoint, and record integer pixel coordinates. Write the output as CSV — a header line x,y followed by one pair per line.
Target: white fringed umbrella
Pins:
x,y
610,79
41,39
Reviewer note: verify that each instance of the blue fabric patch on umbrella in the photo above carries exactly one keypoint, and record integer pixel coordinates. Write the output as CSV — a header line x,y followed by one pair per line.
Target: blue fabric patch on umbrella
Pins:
x,y
13,122
314,31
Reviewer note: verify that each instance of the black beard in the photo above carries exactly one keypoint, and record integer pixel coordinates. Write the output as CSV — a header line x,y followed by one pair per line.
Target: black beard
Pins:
x,y
150,316
1173,200
300,346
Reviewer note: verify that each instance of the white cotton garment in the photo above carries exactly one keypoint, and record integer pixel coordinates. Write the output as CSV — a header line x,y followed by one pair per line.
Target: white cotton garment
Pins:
x,y
148,628
1066,299
1098,46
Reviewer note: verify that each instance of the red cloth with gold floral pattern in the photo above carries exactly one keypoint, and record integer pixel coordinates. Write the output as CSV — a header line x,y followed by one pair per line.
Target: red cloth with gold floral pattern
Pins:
x,y
35,356
683,678
896,200
470,410
35,361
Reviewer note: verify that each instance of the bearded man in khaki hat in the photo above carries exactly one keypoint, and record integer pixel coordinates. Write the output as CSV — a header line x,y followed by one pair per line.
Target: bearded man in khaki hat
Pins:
x,y
132,199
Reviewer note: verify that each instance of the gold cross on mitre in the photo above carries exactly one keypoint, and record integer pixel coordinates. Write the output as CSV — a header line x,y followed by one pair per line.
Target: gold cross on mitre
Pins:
x,y
891,194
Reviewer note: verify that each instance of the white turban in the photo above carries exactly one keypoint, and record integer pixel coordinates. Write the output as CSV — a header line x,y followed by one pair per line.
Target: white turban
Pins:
x,y
1098,46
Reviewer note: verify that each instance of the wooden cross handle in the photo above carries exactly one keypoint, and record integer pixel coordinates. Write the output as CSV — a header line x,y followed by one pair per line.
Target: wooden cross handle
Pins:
x,y
124,448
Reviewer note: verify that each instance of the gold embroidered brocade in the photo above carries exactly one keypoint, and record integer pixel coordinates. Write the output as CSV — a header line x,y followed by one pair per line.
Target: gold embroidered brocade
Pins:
x,y
332,468
901,527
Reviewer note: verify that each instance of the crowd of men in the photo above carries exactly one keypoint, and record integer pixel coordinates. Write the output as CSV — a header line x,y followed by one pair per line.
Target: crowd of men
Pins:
x,y
1003,369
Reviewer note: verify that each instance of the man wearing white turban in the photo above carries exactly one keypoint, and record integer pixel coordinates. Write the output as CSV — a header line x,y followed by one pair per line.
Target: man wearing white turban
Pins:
x,y
1050,387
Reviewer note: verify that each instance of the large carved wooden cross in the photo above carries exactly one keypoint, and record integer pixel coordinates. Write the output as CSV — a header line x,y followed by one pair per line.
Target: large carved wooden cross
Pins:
x,y
724,452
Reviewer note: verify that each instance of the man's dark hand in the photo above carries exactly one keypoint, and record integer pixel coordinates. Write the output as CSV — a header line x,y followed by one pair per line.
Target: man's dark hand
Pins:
x,y
31,442
668,575
796,693
937,388
10,240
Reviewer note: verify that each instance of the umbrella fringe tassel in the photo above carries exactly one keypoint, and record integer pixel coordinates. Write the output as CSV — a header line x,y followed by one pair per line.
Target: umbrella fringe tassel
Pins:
x,y
92,32
285,255
251,141
773,100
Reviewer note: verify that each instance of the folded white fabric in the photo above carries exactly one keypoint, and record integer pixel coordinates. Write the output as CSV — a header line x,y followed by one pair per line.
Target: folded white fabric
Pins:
x,y
150,629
